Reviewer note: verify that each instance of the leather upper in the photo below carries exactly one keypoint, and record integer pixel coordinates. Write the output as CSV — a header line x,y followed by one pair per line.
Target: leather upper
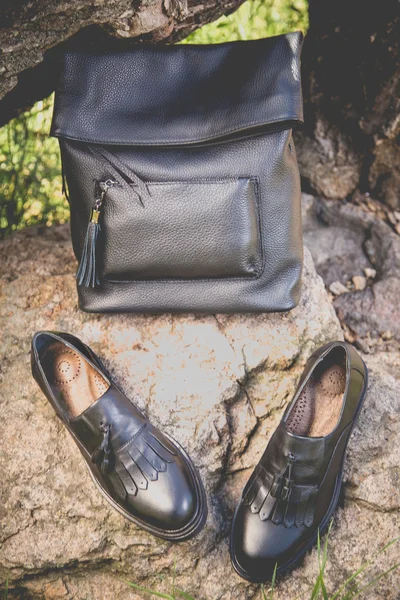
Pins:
x,y
292,489
160,95
145,473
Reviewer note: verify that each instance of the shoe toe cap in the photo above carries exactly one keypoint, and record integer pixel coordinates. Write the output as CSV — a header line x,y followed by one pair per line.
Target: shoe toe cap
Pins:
x,y
257,547
169,503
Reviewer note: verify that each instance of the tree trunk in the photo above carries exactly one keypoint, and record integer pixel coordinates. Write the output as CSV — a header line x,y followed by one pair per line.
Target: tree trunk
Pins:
x,y
351,75
351,81
32,35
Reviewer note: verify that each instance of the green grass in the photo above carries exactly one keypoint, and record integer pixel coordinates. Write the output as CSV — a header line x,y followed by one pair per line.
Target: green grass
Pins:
x,y
30,168
5,595
351,588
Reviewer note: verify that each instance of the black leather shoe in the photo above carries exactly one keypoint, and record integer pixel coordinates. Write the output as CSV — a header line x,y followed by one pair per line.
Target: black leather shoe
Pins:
x,y
144,474
294,489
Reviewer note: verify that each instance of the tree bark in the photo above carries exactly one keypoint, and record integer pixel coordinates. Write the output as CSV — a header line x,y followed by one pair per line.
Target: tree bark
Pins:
x,y
351,82
351,75
32,34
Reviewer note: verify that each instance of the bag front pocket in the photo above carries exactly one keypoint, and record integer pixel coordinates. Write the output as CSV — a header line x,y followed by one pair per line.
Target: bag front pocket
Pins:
x,y
180,230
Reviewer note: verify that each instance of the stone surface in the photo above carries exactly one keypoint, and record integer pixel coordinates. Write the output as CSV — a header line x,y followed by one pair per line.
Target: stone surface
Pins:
x,y
336,247
327,161
384,176
359,282
219,385
345,241
337,288
371,273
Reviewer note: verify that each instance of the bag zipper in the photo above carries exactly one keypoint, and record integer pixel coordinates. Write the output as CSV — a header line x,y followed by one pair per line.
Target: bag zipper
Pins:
x,y
138,185
87,274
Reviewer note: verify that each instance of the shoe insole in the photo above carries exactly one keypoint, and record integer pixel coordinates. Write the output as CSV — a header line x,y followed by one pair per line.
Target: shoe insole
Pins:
x,y
72,377
317,410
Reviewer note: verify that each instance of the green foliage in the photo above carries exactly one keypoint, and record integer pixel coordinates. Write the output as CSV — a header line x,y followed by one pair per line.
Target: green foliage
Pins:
x,y
255,19
30,168
30,180
351,588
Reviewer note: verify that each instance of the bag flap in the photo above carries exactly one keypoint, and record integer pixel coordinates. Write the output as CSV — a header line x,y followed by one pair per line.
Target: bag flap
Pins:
x,y
179,94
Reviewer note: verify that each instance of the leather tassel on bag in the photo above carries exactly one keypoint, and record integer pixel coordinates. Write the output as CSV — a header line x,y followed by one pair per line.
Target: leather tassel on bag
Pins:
x,y
87,274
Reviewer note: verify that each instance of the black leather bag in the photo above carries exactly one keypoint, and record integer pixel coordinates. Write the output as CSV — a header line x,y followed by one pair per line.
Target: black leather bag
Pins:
x,y
182,175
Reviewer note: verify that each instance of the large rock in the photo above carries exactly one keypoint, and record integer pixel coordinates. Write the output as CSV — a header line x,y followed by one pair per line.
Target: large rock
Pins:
x,y
344,240
216,383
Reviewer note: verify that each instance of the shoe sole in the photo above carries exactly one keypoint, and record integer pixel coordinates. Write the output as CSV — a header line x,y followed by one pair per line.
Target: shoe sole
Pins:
x,y
289,565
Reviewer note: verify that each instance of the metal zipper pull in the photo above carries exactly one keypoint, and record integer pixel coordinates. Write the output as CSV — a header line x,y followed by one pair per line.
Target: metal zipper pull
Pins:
x,y
136,183
104,187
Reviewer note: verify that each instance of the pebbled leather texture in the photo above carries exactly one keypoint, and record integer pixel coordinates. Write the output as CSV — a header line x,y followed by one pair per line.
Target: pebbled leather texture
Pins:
x,y
143,473
177,94
205,212
295,487
220,238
